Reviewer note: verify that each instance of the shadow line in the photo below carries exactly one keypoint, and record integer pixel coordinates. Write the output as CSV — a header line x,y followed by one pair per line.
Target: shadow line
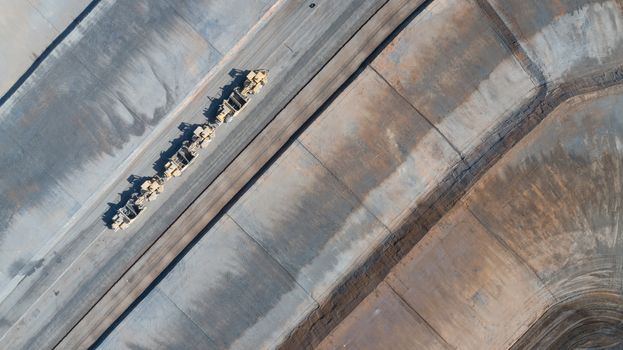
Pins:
x,y
48,51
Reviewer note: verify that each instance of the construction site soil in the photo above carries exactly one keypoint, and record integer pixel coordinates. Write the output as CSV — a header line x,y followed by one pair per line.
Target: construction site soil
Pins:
x,y
416,174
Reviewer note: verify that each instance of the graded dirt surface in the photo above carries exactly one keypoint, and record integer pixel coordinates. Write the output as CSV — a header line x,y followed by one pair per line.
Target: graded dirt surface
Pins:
x,y
538,234
462,188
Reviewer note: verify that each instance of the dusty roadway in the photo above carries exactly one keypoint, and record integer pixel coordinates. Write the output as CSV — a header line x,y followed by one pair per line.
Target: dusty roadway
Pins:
x,y
73,257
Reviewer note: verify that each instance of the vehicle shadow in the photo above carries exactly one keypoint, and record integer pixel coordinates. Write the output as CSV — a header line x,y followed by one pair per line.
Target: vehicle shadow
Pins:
x,y
238,77
135,186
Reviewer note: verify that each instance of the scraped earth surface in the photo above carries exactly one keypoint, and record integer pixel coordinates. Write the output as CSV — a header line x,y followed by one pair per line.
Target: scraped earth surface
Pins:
x,y
462,190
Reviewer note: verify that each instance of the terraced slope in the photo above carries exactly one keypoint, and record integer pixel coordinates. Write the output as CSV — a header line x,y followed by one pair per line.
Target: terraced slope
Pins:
x,y
537,239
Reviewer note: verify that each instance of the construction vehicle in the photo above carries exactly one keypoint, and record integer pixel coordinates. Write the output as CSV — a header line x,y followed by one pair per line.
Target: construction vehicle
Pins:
x,y
126,214
237,100
150,189
186,154
202,135
180,160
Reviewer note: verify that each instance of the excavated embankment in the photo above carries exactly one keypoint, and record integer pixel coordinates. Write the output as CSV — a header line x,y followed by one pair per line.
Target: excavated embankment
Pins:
x,y
451,189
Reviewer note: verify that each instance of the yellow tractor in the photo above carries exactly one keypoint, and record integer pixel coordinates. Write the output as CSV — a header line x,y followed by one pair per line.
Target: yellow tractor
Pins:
x,y
237,100
256,79
150,189
180,160
202,135
126,214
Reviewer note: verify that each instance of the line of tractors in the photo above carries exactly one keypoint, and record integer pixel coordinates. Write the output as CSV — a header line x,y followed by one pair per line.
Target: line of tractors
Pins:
x,y
186,154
